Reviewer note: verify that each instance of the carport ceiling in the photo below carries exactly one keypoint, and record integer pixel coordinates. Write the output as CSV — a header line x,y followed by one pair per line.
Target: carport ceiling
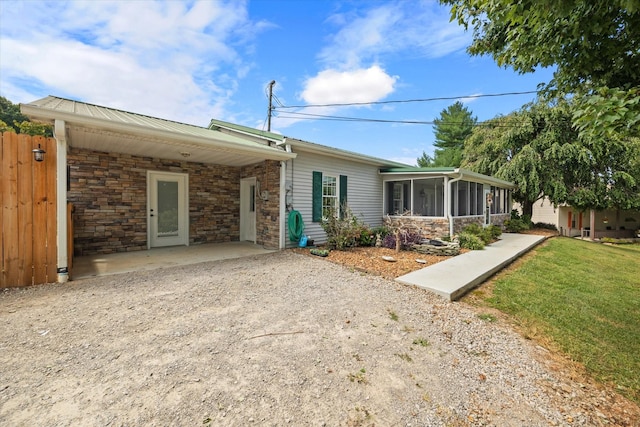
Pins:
x,y
104,129
115,142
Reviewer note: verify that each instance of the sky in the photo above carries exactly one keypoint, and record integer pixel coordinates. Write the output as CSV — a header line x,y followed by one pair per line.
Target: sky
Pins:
x,y
191,61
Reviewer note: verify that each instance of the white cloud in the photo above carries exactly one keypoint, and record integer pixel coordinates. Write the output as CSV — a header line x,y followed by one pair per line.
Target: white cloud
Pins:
x,y
358,85
404,28
392,30
156,58
469,99
411,161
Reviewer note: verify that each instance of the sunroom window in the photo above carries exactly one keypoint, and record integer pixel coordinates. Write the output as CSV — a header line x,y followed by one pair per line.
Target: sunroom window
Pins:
x,y
398,200
428,197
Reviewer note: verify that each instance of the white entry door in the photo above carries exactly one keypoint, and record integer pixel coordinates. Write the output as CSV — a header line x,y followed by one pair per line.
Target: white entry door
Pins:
x,y
248,210
168,221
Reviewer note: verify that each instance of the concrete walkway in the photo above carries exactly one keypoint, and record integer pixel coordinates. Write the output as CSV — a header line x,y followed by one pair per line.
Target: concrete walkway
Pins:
x,y
454,277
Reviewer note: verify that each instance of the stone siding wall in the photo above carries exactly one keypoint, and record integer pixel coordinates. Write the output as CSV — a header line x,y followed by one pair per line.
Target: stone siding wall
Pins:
x,y
109,192
432,228
436,228
461,222
267,175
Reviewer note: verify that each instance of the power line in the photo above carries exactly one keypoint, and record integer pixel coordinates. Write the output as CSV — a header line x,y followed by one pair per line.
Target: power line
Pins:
x,y
444,98
310,116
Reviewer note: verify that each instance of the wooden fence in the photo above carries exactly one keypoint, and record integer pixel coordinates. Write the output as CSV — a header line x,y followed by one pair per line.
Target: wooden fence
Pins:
x,y
28,215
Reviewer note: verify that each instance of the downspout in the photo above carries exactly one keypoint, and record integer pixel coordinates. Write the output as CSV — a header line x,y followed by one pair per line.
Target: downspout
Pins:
x,y
60,134
448,203
283,196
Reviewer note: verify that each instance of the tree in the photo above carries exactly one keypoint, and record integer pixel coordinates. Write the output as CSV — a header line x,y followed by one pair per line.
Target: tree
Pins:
x,y
11,119
425,161
10,114
451,129
540,150
594,44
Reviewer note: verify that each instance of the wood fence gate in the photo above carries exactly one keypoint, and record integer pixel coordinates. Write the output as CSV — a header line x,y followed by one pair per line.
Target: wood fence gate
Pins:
x,y
28,215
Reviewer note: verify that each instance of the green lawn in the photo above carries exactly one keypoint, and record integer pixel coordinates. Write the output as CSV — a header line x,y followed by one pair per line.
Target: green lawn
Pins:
x,y
585,298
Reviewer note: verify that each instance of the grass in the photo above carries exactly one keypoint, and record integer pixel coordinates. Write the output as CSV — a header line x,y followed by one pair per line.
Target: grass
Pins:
x,y
584,299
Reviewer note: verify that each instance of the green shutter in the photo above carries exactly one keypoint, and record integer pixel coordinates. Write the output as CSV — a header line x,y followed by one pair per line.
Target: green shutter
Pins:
x,y
343,190
316,189
342,196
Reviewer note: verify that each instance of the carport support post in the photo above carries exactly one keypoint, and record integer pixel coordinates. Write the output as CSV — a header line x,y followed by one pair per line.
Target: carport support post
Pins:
x,y
60,134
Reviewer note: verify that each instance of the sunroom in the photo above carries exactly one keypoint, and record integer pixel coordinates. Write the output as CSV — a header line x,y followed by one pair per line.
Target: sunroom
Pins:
x,y
439,202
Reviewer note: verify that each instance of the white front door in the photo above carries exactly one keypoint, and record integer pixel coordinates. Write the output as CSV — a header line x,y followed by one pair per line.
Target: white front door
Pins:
x,y
248,210
168,220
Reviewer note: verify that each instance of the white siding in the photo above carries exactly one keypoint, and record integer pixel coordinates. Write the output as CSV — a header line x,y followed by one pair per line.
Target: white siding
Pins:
x,y
364,190
543,211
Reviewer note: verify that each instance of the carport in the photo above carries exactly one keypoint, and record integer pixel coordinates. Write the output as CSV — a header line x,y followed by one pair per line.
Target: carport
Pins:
x,y
139,183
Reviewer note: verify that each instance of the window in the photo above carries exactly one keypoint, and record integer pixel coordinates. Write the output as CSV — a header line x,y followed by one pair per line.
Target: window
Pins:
x,y
463,198
328,192
329,196
500,200
428,197
479,199
398,200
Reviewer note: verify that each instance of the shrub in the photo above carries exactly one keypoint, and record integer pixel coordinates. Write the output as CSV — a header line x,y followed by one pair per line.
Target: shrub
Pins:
x,y
470,241
407,239
545,225
473,228
382,230
367,237
346,231
486,234
515,225
493,231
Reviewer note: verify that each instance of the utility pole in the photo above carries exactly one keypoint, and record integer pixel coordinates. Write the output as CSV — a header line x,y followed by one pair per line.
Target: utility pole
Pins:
x,y
273,82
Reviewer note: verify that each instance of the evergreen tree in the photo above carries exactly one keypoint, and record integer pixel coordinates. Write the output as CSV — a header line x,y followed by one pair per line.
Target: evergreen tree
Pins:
x,y
451,129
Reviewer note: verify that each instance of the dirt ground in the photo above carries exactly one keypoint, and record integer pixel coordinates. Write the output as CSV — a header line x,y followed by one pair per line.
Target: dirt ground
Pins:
x,y
276,339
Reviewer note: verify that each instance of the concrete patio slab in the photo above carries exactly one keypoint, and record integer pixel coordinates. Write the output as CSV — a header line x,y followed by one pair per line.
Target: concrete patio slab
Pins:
x,y
454,277
124,262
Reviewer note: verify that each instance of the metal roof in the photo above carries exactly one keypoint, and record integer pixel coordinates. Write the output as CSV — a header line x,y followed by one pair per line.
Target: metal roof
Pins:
x,y
106,129
416,172
301,145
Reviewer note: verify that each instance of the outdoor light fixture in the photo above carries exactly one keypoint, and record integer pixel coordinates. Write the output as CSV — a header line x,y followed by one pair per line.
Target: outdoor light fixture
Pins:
x,y
38,154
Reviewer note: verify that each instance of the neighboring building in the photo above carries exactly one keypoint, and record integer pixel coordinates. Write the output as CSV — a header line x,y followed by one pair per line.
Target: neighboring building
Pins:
x,y
573,223
139,182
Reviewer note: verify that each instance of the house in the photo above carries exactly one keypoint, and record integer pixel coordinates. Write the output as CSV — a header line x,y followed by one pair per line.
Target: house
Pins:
x,y
571,222
320,177
138,182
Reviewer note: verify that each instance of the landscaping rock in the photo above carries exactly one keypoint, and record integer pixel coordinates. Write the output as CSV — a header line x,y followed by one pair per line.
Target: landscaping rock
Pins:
x,y
437,247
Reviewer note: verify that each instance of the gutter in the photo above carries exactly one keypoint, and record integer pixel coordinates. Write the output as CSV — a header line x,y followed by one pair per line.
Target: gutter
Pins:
x,y
170,137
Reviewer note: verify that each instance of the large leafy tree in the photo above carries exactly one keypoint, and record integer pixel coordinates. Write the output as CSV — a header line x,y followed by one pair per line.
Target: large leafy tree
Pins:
x,y
10,114
594,45
540,150
451,129
12,120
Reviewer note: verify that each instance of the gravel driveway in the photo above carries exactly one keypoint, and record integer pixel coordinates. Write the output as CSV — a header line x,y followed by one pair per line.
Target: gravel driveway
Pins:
x,y
276,339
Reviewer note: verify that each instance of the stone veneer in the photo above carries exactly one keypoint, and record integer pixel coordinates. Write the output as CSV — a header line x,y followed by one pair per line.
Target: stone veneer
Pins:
x,y
267,174
109,192
436,228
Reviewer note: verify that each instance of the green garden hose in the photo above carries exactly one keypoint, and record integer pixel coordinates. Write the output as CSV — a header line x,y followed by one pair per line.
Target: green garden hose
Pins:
x,y
296,226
